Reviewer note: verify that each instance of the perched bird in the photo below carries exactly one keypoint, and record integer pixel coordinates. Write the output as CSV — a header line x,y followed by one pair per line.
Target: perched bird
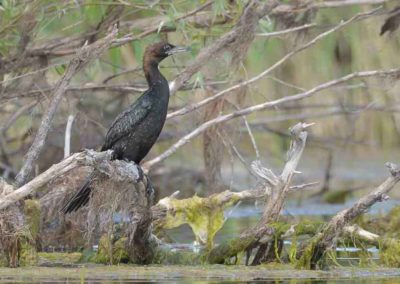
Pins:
x,y
134,132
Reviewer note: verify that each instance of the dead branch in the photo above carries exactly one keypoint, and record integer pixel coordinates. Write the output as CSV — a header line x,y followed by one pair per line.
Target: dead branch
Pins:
x,y
277,64
83,56
287,31
67,138
71,44
89,158
270,104
277,188
343,3
326,240
242,33
121,186
171,212
388,246
110,18
356,232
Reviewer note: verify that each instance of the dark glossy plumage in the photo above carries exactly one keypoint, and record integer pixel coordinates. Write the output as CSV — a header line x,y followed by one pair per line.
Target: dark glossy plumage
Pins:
x,y
134,132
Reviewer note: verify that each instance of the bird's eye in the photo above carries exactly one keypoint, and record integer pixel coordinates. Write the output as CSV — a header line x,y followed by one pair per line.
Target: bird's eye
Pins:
x,y
167,47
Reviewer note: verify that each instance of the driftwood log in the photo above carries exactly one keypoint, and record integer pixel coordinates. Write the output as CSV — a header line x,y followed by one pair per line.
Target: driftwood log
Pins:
x,y
325,241
277,188
119,184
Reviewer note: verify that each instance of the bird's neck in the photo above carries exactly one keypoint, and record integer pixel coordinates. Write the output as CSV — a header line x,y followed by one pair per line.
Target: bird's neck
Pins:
x,y
153,74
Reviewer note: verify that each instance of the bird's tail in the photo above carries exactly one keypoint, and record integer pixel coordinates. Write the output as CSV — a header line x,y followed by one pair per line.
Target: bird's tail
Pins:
x,y
81,198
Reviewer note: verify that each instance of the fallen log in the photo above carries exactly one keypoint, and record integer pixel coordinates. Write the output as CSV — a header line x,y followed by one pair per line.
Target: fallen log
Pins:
x,y
86,158
277,189
119,186
204,215
325,241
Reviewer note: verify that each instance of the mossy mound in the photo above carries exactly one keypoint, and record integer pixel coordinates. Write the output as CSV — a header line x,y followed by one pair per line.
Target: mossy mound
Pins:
x,y
60,258
173,257
387,226
205,216
111,251
28,252
390,252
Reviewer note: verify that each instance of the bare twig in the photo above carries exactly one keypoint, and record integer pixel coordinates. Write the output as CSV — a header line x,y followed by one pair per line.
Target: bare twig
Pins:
x,y
277,64
287,31
115,42
83,56
223,118
67,140
282,186
129,38
245,26
253,140
343,3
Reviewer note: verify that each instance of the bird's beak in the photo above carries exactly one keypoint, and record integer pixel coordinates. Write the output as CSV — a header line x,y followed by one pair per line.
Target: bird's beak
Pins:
x,y
178,49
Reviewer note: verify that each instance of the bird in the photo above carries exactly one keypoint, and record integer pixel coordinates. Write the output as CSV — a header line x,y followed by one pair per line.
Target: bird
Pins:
x,y
134,131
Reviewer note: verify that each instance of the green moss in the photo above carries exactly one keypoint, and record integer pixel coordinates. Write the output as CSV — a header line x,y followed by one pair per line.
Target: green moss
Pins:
x,y
227,250
111,251
388,226
279,228
390,252
205,216
393,217
118,254
292,253
28,252
32,213
168,257
305,261
307,227
60,257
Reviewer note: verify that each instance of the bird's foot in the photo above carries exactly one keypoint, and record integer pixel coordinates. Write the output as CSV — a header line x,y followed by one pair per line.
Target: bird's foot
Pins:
x,y
146,180
150,189
141,173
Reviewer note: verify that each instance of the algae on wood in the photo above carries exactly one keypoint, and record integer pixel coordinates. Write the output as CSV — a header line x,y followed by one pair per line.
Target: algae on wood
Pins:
x,y
28,251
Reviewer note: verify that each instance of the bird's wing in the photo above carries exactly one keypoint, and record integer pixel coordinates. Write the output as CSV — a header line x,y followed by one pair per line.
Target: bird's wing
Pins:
x,y
127,121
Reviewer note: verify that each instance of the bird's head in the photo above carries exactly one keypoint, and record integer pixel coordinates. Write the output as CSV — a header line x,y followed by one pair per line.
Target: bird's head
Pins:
x,y
159,51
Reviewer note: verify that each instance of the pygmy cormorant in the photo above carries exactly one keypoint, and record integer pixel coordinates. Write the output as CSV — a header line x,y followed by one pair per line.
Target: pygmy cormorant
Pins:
x,y
134,131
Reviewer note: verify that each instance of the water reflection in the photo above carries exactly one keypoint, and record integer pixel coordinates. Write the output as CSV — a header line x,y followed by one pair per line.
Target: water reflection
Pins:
x,y
256,281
